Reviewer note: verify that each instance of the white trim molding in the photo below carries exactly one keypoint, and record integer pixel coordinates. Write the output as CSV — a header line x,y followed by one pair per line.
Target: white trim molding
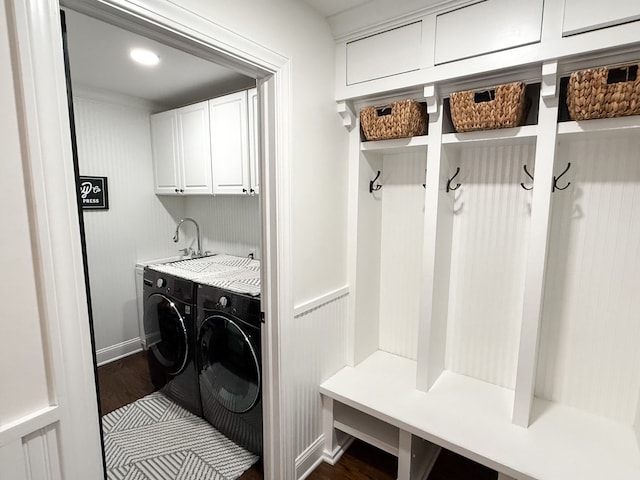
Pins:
x,y
317,302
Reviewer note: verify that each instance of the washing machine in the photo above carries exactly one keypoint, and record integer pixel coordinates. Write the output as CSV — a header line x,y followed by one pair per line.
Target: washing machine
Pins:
x,y
169,330
229,364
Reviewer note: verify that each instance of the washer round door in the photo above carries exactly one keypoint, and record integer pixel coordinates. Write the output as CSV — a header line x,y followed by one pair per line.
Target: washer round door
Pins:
x,y
229,368
166,333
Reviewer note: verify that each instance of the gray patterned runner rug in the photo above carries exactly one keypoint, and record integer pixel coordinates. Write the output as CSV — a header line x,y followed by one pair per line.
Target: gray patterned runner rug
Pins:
x,y
154,438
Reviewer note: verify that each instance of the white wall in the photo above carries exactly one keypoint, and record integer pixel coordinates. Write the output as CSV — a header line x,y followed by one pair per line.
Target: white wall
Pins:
x,y
114,140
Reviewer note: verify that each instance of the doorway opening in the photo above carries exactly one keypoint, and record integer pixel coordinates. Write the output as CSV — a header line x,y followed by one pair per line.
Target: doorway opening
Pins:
x,y
114,131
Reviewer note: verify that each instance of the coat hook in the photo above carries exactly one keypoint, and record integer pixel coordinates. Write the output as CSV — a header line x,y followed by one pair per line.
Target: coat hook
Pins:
x,y
374,188
449,187
555,179
529,175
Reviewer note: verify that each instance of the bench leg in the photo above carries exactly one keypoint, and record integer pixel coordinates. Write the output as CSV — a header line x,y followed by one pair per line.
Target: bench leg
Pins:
x,y
331,446
416,457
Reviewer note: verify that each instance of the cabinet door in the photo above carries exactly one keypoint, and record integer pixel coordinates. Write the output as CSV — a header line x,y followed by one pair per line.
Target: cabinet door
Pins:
x,y
384,54
194,148
584,15
254,142
229,144
487,27
164,138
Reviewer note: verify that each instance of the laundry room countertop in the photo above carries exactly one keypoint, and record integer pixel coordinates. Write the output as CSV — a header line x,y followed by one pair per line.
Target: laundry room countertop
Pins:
x,y
237,274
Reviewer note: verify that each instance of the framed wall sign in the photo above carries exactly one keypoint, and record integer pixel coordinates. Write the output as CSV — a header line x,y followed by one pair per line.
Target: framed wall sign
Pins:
x,y
93,193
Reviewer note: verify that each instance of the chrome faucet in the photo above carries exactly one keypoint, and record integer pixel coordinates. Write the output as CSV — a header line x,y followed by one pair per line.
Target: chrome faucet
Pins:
x,y
176,237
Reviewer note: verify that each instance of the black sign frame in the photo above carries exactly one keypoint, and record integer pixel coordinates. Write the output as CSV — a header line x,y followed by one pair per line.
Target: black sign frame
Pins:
x,y
93,193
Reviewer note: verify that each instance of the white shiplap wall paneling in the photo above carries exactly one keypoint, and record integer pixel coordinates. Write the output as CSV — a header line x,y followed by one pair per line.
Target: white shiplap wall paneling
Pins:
x,y
228,223
114,141
401,251
367,305
317,340
589,356
491,217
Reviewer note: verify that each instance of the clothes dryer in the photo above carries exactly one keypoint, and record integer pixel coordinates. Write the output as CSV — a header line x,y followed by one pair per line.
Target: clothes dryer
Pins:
x,y
169,329
229,364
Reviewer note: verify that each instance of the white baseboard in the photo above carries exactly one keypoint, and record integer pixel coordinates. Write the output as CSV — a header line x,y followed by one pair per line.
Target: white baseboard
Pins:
x,y
315,454
308,460
118,351
333,457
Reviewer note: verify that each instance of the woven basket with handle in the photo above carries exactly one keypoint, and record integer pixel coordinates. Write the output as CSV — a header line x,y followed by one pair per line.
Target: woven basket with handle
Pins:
x,y
406,118
604,93
499,107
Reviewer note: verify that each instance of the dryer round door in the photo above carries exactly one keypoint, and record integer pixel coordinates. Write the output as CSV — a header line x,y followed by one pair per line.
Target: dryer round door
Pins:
x,y
166,333
229,367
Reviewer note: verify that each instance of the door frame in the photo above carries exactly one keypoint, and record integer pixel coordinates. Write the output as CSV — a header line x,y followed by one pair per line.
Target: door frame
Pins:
x,y
35,34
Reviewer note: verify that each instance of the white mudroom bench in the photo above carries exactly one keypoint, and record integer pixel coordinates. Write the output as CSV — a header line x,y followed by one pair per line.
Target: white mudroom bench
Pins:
x,y
377,402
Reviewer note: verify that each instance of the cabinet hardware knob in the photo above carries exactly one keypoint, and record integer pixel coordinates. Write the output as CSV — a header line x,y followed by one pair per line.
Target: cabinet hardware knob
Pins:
x,y
244,190
177,190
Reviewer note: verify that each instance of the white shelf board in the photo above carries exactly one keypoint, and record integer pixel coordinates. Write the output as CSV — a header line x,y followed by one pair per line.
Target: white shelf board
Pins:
x,y
510,136
600,125
380,434
473,418
396,145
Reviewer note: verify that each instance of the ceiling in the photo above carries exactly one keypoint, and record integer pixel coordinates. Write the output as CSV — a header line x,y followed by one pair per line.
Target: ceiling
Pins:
x,y
329,8
99,61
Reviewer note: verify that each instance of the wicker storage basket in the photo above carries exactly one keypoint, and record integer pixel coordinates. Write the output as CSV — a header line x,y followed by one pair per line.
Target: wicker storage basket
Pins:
x,y
501,107
406,118
604,93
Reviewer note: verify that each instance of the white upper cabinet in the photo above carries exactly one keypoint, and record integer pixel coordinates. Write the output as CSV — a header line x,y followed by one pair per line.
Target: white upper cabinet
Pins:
x,y
584,15
181,150
230,144
254,145
195,154
164,136
487,27
384,54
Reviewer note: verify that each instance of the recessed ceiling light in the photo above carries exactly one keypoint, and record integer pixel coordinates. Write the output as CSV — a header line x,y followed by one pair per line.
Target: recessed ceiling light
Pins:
x,y
144,57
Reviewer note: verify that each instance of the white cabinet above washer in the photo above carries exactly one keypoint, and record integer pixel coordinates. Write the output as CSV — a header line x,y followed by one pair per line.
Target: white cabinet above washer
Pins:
x,y
234,153
181,150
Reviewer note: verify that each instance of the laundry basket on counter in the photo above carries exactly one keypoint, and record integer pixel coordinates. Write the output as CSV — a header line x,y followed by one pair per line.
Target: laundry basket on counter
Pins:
x,y
604,92
406,118
503,106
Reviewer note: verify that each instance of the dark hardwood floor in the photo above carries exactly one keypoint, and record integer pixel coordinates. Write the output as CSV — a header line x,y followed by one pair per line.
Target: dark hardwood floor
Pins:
x,y
126,380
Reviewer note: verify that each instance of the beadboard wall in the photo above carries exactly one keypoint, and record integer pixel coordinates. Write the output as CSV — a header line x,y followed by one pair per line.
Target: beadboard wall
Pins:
x,y
228,223
489,250
589,356
401,246
114,140
314,349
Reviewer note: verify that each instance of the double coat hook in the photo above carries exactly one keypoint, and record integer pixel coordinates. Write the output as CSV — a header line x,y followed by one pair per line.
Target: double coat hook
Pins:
x,y
449,187
555,179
